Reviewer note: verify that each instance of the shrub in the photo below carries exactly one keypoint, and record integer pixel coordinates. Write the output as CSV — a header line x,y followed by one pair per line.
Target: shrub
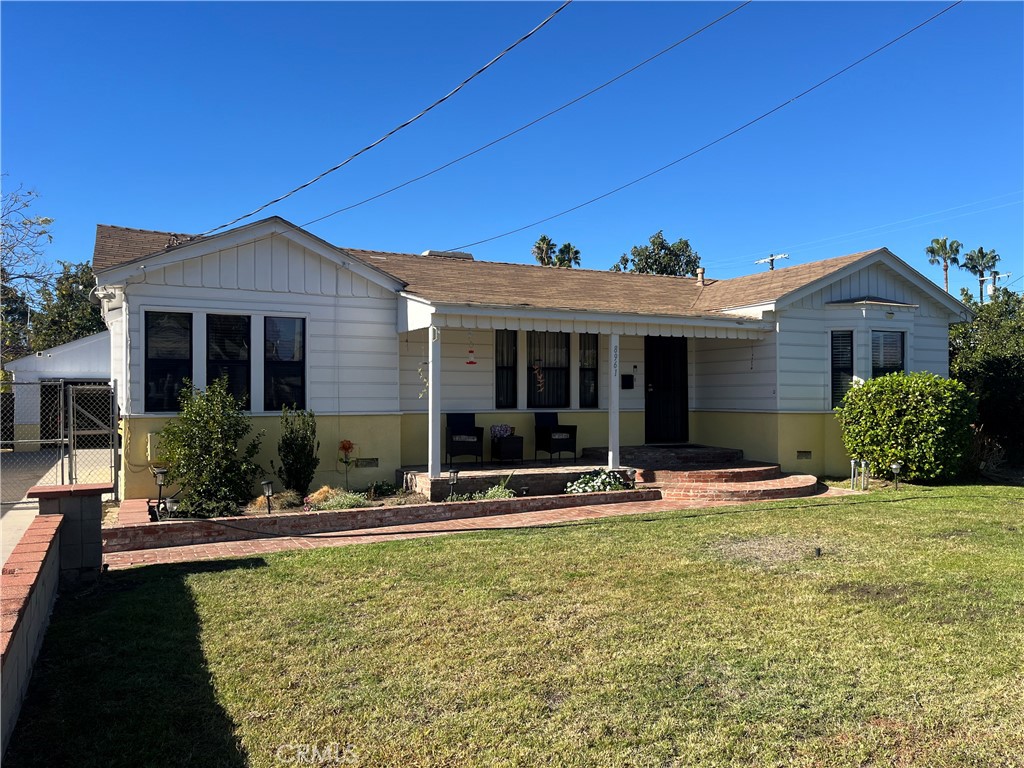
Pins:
x,y
380,488
297,449
598,480
201,451
336,498
920,419
283,500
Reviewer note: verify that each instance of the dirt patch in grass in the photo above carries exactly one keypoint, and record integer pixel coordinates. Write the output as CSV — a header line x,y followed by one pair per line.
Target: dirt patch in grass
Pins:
x,y
888,594
769,551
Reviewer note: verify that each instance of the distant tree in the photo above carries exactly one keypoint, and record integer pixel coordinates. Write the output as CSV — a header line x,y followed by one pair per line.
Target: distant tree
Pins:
x,y
660,258
544,251
987,355
568,256
945,253
65,313
14,339
23,242
978,262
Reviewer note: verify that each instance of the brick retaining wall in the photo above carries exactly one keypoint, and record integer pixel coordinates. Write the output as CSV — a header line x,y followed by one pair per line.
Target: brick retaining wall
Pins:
x,y
177,533
30,578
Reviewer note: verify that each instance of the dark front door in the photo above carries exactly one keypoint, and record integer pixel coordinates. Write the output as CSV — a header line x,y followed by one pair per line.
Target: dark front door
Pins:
x,y
666,416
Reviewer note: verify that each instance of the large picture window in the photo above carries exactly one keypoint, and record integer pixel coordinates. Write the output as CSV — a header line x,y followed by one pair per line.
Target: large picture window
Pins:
x,y
886,352
168,358
227,353
588,370
842,365
505,389
548,376
284,363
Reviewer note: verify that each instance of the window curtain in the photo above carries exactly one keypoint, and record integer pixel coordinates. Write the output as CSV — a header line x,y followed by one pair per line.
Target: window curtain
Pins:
x,y
548,375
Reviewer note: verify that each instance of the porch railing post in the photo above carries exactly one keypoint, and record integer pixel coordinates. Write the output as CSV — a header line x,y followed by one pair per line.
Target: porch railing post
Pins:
x,y
434,402
613,401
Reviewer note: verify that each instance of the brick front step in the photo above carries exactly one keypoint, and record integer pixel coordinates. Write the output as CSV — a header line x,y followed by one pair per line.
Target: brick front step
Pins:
x,y
739,472
785,487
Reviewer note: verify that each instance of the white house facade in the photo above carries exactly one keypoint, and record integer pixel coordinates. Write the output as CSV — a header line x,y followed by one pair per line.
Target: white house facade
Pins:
x,y
381,346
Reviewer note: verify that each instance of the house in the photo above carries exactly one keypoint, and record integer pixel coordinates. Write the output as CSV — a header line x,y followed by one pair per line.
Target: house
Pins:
x,y
381,345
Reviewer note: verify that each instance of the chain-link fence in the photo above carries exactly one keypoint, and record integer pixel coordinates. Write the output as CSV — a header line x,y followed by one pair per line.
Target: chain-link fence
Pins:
x,y
56,433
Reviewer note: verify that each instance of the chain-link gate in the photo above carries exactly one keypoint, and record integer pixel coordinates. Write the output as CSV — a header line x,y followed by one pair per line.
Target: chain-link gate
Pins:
x,y
56,433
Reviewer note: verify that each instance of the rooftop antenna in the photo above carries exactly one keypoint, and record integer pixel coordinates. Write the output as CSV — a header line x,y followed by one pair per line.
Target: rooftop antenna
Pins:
x,y
770,261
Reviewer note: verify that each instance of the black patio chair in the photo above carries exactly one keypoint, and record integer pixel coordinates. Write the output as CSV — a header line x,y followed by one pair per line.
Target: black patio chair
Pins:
x,y
553,437
463,437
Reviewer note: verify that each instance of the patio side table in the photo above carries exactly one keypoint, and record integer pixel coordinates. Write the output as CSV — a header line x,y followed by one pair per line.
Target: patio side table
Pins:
x,y
507,448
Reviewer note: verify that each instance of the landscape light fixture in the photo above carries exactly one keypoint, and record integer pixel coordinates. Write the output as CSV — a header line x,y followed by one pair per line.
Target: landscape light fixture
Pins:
x,y
160,475
453,479
268,491
896,467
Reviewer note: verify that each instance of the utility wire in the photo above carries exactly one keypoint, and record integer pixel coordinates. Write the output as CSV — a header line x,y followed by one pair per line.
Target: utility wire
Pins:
x,y
533,122
395,130
720,139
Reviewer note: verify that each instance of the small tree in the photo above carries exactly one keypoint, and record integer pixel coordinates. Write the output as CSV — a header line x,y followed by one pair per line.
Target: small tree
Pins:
x,y
920,419
660,257
66,313
298,449
201,451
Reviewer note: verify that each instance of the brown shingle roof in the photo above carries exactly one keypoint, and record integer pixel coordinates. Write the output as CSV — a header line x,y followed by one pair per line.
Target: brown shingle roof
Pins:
x,y
445,280
461,281
118,245
773,284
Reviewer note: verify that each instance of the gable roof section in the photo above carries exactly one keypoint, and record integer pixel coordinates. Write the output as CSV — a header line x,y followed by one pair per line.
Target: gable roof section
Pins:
x,y
118,248
774,284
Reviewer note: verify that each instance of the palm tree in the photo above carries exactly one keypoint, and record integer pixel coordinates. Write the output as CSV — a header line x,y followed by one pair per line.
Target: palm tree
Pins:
x,y
568,256
941,252
544,251
978,262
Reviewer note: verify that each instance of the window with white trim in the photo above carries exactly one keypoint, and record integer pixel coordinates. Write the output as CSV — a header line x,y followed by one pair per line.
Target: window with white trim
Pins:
x,y
168,358
842,365
887,352
284,363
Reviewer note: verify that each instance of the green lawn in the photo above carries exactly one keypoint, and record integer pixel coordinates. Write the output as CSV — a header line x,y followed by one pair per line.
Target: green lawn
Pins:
x,y
689,638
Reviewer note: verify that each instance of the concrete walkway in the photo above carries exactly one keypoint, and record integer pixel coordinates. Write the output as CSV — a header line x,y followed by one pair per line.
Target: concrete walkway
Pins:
x,y
14,520
118,560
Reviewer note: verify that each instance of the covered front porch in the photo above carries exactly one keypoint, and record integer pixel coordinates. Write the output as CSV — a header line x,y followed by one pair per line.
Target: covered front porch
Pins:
x,y
616,377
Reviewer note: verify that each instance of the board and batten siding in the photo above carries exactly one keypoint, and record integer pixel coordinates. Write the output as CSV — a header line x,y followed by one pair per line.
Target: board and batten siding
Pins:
x,y
351,343
804,334
732,374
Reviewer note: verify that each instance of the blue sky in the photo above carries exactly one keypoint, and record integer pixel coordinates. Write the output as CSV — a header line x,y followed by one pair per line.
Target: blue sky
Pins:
x,y
182,116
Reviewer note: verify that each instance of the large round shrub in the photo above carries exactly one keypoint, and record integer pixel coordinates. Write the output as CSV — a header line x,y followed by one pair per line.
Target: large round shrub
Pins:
x,y
920,419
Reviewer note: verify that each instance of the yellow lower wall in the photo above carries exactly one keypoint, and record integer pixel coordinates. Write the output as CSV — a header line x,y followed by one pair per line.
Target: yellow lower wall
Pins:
x,y
376,437
592,432
29,433
777,437
401,440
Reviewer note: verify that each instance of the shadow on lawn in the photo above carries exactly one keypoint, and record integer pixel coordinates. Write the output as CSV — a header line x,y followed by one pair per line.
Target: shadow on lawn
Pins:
x,y
122,679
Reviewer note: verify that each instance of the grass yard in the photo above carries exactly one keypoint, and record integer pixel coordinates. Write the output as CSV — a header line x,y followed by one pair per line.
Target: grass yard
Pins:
x,y
693,638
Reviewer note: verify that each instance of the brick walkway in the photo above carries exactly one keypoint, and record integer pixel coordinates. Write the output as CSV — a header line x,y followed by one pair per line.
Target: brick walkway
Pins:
x,y
118,560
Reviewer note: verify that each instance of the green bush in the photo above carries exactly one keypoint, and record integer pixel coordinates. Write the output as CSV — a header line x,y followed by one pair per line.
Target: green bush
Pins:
x,y
201,451
920,419
340,499
598,480
297,450
378,489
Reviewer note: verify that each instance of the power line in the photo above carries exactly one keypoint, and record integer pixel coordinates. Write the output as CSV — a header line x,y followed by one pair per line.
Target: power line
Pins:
x,y
533,122
395,130
720,139
886,227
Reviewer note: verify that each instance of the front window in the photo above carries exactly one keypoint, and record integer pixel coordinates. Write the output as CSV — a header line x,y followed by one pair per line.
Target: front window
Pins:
x,y
168,358
886,352
588,370
548,360
842,365
284,363
227,353
505,389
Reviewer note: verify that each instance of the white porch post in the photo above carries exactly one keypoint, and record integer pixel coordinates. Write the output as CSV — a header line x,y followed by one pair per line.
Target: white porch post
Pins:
x,y
613,401
434,401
